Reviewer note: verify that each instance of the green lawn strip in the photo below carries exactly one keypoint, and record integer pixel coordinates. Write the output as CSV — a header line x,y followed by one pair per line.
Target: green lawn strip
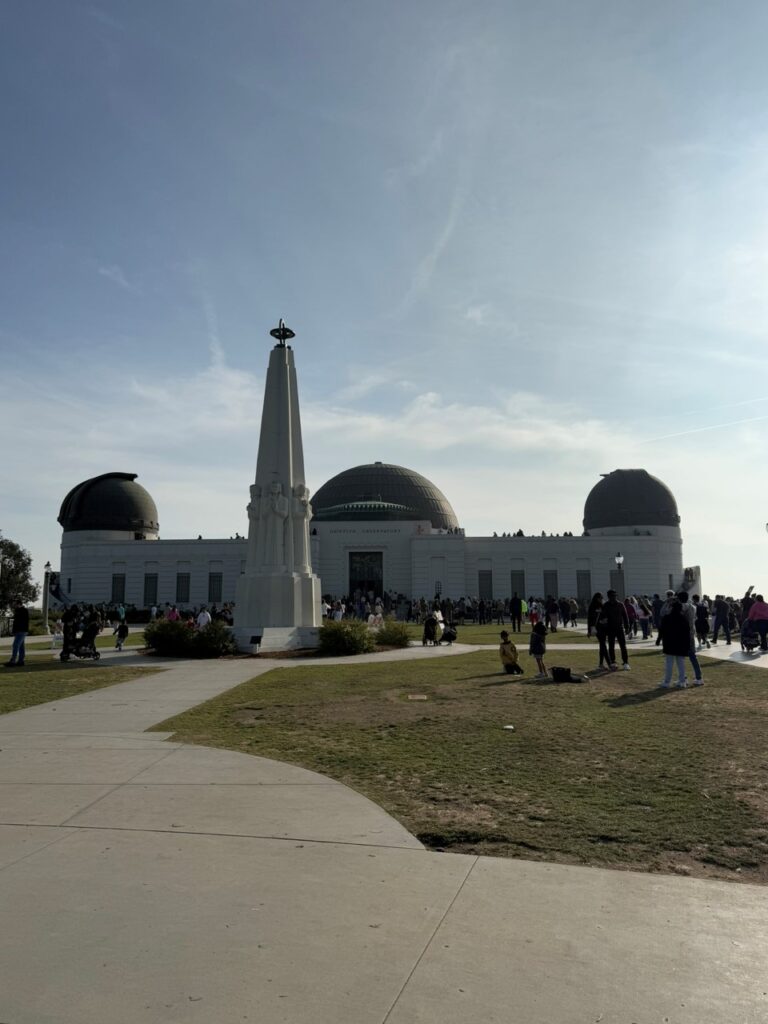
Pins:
x,y
608,772
40,683
489,634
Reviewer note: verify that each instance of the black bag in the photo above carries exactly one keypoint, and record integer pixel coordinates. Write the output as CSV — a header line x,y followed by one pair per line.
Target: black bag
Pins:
x,y
562,675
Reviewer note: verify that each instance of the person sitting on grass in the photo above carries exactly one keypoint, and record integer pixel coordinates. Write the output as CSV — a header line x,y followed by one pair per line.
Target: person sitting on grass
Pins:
x,y
538,648
508,655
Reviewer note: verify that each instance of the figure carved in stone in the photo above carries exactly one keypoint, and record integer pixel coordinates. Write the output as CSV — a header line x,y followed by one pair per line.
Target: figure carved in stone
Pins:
x,y
254,505
275,510
302,513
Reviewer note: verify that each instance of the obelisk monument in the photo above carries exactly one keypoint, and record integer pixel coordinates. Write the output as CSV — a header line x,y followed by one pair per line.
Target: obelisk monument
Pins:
x,y
278,596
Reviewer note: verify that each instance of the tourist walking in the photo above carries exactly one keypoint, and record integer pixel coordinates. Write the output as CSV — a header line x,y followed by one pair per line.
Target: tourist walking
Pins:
x,y
614,615
702,622
720,613
676,640
19,629
592,611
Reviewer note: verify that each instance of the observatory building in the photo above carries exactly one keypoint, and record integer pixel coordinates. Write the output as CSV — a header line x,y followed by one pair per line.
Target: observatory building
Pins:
x,y
376,527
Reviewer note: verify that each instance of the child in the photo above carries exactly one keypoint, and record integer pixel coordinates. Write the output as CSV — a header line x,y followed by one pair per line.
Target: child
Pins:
x,y
538,648
508,655
122,635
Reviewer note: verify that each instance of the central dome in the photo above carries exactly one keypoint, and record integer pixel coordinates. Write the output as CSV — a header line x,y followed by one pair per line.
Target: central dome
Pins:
x,y
379,491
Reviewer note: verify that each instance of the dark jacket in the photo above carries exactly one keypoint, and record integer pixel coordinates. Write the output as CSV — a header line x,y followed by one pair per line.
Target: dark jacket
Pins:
x,y
20,620
613,616
675,633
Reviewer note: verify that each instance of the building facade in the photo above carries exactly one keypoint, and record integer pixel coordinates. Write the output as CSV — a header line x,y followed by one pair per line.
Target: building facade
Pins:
x,y
377,528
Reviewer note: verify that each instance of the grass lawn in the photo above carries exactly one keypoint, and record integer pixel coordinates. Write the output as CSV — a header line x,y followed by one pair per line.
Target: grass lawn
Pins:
x,y
489,634
611,772
38,683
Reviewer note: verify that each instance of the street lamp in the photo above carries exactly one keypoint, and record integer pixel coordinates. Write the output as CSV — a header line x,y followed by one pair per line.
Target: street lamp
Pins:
x,y
619,560
46,590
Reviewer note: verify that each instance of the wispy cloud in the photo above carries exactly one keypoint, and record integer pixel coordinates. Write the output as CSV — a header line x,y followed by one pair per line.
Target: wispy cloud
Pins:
x,y
115,274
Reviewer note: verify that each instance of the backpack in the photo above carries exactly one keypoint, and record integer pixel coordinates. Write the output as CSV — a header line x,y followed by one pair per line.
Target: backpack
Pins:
x,y
562,675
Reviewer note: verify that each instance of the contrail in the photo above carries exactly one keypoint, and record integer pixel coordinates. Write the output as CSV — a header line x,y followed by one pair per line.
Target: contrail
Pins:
x,y
700,430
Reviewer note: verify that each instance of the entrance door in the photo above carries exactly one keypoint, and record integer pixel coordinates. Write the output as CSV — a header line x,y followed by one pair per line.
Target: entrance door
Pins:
x,y
366,573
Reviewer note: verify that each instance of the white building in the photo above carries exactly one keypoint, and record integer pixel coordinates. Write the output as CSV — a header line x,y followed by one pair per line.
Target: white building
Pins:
x,y
377,527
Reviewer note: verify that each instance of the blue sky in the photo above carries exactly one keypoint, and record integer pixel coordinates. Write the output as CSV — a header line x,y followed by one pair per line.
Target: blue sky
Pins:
x,y
521,245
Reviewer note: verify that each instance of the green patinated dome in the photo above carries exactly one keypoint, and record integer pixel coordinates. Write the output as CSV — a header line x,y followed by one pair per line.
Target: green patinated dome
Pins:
x,y
379,491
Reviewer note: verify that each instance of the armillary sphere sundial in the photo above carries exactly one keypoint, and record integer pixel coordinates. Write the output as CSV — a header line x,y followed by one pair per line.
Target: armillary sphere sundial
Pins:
x,y
282,333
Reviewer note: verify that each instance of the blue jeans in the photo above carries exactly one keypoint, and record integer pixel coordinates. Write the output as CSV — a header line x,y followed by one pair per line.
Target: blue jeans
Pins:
x,y
672,660
18,651
695,661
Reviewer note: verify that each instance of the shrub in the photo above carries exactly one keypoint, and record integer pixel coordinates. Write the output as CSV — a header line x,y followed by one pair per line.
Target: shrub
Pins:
x,y
215,641
169,639
346,637
393,633
177,640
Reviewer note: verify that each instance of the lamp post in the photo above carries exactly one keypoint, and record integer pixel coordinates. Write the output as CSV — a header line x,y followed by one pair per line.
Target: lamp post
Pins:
x,y
46,586
619,560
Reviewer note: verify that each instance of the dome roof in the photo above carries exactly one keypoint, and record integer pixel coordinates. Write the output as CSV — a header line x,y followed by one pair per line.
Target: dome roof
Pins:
x,y
630,497
112,501
382,492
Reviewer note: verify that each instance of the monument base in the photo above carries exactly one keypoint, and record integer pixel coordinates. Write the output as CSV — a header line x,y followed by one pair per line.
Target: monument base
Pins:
x,y
275,638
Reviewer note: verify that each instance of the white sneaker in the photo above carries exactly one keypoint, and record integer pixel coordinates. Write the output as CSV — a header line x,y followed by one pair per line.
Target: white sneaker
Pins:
x,y
683,685
698,682
625,666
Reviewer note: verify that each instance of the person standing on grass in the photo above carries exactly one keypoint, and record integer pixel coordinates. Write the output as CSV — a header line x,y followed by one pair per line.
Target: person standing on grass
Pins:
x,y
516,613
676,639
613,615
537,647
701,622
19,629
601,630
689,613
593,611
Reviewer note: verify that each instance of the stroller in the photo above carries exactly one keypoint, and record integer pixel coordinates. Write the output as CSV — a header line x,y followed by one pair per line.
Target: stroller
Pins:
x,y
750,638
84,646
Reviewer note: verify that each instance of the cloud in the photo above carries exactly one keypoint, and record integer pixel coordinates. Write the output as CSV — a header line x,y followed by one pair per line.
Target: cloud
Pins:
x,y
116,276
396,176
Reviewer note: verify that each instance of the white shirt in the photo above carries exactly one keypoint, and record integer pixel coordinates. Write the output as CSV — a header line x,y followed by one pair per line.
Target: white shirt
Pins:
x,y
203,619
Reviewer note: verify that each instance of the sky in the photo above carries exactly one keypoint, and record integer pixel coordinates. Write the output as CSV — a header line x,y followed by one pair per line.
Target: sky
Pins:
x,y
520,245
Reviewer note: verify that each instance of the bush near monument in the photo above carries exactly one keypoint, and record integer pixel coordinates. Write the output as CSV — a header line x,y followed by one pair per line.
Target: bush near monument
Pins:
x,y
393,634
346,637
176,640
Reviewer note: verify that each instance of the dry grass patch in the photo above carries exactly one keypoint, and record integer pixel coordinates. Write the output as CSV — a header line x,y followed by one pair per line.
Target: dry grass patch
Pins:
x,y
611,772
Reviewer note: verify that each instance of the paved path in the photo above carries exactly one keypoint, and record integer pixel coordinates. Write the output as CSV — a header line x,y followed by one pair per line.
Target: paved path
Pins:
x,y
145,882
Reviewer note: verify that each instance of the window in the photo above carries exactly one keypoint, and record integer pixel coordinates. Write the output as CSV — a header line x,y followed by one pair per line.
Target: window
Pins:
x,y
215,587
182,587
150,589
69,584
583,586
517,582
118,588
551,586
485,584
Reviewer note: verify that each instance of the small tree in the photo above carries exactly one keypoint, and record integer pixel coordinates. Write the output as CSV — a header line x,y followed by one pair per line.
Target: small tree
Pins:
x,y
15,575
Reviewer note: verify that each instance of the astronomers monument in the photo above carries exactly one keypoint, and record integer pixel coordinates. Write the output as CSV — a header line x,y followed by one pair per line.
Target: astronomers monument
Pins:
x,y
278,596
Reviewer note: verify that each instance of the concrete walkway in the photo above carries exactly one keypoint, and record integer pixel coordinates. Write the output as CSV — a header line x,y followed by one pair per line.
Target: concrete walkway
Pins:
x,y
147,882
